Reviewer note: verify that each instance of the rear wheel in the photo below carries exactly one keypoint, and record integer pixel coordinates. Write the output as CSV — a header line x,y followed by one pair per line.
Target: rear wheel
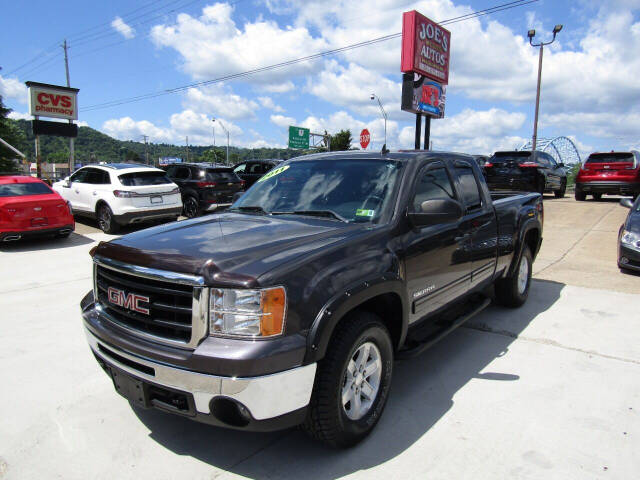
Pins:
x,y
513,291
597,196
563,188
352,382
190,207
106,222
580,196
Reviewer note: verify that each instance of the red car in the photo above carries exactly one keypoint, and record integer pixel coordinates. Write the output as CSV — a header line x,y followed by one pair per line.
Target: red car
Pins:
x,y
29,208
616,173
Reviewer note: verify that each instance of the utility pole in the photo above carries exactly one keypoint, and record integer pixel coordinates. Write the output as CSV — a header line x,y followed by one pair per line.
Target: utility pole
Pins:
x,y
187,149
531,34
71,145
227,132
146,152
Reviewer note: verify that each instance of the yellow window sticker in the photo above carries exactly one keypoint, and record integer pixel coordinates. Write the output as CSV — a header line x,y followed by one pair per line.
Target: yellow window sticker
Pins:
x,y
361,212
273,173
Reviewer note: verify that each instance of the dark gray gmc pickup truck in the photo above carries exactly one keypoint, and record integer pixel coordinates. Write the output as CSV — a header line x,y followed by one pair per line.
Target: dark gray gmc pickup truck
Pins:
x,y
290,307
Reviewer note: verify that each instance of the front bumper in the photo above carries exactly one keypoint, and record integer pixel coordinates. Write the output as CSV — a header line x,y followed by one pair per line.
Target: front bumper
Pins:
x,y
631,255
137,216
611,187
269,402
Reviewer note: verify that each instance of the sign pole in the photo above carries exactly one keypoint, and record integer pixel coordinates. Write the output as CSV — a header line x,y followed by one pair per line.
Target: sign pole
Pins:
x,y
418,128
72,154
427,131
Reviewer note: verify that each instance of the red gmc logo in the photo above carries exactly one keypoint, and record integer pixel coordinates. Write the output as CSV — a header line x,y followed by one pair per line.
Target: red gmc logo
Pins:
x,y
129,301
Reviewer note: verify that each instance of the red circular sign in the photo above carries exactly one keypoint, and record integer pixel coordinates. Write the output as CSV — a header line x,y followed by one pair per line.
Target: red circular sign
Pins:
x,y
365,138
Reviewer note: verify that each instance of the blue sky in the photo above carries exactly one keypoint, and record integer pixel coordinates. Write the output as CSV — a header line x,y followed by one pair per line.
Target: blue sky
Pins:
x,y
121,49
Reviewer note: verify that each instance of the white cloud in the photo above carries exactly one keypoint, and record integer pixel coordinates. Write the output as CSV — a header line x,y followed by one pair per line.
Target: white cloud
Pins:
x,y
19,116
126,128
125,30
267,102
219,101
12,88
279,87
282,121
212,45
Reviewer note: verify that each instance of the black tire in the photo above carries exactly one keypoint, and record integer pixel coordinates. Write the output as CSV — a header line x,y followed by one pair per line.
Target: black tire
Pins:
x,y
106,222
580,195
508,293
563,188
190,207
327,419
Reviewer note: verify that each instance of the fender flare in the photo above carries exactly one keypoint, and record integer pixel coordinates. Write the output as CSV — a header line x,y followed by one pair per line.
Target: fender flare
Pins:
x,y
335,309
527,226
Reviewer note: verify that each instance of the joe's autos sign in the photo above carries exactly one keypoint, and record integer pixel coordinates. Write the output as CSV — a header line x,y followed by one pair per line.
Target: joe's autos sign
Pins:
x,y
53,101
426,47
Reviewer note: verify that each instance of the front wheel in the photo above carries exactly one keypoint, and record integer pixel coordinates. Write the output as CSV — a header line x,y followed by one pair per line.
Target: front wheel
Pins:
x,y
563,188
580,196
352,383
513,291
106,222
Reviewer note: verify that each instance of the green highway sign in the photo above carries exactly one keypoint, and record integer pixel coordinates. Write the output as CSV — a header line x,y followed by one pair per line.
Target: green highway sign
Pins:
x,y
298,137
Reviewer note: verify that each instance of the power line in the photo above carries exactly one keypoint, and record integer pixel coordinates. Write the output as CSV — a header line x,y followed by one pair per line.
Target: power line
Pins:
x,y
235,76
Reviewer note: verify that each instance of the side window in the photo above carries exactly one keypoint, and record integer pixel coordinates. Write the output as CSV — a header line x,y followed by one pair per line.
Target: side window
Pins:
x,y
79,176
182,173
97,177
543,160
171,172
240,168
468,186
434,183
255,168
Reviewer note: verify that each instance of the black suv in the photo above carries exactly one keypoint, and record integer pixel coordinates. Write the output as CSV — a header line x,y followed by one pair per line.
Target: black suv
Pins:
x,y
252,170
527,171
204,187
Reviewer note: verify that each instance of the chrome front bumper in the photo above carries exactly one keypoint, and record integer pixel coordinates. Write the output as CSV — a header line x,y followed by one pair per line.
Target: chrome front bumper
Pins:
x,y
265,397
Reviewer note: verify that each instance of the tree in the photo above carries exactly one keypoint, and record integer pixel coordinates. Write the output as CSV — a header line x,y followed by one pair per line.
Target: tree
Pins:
x,y
10,134
341,141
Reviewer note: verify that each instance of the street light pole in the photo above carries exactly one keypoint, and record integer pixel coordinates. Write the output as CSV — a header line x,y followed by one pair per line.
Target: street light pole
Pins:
x,y
227,132
384,115
531,34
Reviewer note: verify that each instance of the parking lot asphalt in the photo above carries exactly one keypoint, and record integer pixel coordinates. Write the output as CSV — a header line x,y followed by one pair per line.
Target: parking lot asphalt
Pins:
x,y
550,390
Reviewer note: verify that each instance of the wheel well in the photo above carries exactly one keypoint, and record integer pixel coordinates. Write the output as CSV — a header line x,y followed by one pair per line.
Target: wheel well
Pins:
x,y
388,307
99,203
531,239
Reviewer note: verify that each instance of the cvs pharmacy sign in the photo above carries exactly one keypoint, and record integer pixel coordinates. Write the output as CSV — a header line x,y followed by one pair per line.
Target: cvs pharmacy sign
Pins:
x,y
53,101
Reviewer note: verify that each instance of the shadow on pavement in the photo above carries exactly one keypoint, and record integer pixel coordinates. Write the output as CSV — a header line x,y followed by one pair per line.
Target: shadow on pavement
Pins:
x,y
422,393
44,243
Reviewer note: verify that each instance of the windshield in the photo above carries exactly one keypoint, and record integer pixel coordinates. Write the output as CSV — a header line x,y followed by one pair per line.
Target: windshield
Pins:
x,y
351,190
22,189
140,179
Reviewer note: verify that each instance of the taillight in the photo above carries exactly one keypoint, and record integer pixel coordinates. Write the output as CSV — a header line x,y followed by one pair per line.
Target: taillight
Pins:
x,y
540,208
242,183
206,184
528,165
488,164
122,194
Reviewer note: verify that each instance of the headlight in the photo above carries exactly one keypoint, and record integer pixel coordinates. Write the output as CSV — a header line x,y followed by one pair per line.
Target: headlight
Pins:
x,y
247,313
631,239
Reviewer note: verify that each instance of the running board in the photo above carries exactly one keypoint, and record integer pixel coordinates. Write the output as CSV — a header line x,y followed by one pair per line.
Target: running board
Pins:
x,y
421,347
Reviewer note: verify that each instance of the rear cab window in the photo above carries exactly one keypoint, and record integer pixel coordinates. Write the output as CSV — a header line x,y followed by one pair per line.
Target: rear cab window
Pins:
x,y
24,189
469,188
141,179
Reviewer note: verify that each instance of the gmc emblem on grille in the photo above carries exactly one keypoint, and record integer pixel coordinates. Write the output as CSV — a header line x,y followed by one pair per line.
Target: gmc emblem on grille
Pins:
x,y
130,301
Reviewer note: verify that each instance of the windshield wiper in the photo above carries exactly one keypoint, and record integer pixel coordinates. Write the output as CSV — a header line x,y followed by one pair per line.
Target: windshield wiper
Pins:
x,y
315,213
250,208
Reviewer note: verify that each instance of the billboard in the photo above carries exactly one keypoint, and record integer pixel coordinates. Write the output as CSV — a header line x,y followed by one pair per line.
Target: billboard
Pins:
x,y
422,95
52,101
426,47
169,160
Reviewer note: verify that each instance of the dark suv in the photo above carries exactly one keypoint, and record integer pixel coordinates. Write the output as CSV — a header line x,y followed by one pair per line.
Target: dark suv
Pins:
x,y
252,170
204,187
527,171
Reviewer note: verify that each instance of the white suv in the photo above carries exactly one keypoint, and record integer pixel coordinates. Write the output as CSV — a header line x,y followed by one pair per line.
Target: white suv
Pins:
x,y
121,193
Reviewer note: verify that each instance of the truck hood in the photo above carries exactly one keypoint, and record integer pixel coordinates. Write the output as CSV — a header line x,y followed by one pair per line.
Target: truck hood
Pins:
x,y
230,248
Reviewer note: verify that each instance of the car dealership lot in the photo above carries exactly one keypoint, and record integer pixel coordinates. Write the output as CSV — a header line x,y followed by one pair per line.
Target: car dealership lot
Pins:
x,y
546,391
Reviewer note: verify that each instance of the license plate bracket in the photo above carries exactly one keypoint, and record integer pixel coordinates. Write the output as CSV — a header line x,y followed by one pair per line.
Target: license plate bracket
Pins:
x,y
129,387
156,199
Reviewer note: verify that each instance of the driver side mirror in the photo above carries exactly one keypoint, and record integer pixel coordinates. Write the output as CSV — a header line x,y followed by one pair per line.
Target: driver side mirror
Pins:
x,y
626,202
66,183
437,211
